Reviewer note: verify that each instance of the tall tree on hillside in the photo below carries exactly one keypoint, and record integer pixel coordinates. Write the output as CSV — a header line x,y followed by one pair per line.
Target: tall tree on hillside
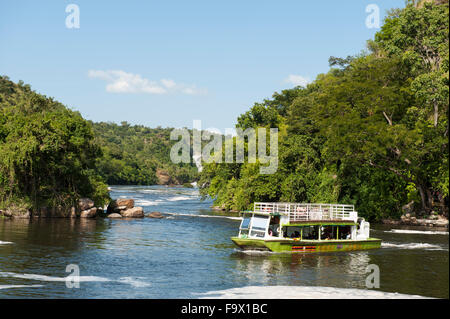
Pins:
x,y
419,36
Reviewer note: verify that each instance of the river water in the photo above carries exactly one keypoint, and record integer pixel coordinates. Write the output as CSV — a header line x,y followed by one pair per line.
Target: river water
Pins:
x,y
189,255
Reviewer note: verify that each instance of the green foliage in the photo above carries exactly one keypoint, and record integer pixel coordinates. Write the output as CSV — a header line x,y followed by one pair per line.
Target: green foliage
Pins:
x,y
133,154
373,132
47,152
50,156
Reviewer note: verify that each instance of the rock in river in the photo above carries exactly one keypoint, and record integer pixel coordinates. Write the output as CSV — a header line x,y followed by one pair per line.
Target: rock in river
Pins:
x,y
136,212
90,213
85,204
155,215
114,215
119,205
129,203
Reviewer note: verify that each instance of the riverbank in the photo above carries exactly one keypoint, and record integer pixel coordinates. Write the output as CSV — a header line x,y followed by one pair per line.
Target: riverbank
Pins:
x,y
435,221
222,209
85,208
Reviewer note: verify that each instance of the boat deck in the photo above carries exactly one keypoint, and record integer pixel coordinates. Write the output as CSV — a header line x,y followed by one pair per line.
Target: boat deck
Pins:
x,y
299,212
321,221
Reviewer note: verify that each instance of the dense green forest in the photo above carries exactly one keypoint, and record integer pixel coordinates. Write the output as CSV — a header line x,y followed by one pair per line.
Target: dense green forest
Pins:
x,y
47,152
50,156
138,155
372,132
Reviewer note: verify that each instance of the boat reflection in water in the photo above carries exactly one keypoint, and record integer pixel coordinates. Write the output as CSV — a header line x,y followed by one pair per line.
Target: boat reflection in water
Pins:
x,y
339,269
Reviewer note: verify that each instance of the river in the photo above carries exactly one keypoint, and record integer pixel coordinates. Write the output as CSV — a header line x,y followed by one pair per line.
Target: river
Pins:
x,y
189,255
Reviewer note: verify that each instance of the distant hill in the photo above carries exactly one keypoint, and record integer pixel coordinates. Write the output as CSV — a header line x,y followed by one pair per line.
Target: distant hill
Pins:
x,y
139,155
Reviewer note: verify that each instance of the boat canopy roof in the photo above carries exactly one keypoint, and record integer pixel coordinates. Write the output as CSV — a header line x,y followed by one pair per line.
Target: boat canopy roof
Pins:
x,y
304,212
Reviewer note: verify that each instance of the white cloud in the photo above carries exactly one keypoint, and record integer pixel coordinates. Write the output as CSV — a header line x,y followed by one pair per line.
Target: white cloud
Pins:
x,y
168,83
193,90
123,82
297,80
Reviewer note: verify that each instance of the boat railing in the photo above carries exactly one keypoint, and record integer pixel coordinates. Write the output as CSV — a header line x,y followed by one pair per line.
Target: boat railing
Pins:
x,y
298,212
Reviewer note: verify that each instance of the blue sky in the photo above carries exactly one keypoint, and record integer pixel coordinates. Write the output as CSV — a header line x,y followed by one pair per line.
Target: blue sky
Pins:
x,y
167,63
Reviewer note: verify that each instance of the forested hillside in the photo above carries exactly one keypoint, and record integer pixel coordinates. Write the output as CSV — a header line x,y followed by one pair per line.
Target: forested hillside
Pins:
x,y
138,155
372,132
47,152
50,156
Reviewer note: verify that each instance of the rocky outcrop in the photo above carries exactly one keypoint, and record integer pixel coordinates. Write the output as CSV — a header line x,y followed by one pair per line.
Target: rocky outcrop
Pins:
x,y
85,204
157,215
409,220
16,212
223,209
85,209
135,212
90,213
114,215
127,202
118,205
219,208
11,213
125,208
163,177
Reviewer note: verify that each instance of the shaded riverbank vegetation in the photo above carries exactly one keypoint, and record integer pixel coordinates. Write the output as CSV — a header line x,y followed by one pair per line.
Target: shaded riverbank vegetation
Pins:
x,y
47,152
50,156
372,132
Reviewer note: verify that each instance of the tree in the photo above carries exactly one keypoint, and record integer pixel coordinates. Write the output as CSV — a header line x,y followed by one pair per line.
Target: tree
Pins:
x,y
372,132
47,152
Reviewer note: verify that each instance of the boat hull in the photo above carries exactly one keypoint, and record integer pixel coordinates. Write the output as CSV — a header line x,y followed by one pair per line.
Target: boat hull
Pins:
x,y
294,246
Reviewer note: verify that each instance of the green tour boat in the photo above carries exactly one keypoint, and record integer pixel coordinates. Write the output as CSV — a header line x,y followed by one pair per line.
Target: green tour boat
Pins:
x,y
304,228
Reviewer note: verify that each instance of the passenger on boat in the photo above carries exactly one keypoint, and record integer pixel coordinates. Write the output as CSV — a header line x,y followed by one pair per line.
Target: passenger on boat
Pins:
x,y
273,231
345,232
267,209
296,234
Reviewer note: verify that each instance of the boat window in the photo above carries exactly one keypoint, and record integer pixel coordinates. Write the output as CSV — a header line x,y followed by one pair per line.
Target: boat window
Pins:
x,y
292,232
259,222
245,222
259,226
260,234
244,233
310,232
344,232
328,232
